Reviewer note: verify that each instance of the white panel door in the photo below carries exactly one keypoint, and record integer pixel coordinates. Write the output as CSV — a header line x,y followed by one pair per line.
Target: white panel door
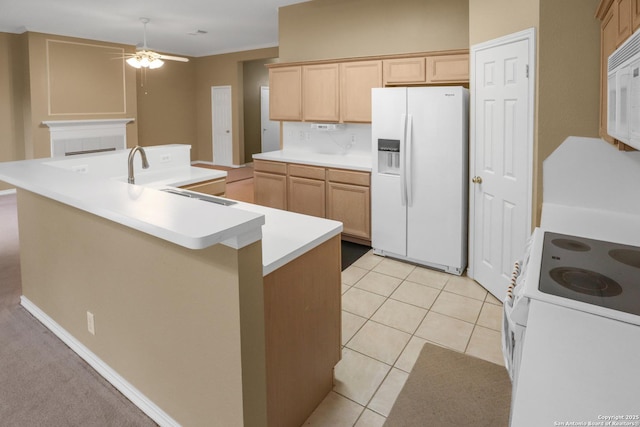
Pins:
x,y
501,144
388,207
437,175
270,137
221,125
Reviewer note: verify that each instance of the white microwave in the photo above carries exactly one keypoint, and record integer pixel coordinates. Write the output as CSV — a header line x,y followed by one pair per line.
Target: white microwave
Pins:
x,y
623,92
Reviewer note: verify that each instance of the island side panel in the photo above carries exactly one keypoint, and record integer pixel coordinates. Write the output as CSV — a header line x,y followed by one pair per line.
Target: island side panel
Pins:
x,y
303,332
167,319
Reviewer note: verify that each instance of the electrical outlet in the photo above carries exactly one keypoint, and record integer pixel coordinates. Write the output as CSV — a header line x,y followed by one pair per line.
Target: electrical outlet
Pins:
x,y
353,138
165,158
80,168
91,326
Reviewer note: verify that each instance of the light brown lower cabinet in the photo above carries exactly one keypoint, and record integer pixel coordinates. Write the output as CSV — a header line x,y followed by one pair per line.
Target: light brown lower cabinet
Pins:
x,y
302,310
350,205
270,184
339,194
214,187
306,196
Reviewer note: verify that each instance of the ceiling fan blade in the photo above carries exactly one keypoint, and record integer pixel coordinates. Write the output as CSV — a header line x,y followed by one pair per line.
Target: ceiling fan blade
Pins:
x,y
174,58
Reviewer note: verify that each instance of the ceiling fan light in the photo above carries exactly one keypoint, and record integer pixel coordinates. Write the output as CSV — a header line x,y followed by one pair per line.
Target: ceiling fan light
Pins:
x,y
156,63
144,61
134,62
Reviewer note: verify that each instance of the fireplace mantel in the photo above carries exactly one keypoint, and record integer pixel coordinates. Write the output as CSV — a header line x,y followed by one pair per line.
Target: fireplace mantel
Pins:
x,y
70,137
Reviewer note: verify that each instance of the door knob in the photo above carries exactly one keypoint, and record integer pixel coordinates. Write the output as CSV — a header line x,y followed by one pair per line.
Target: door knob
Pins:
x,y
477,180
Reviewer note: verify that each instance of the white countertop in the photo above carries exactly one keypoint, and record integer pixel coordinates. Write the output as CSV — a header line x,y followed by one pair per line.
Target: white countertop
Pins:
x,y
360,161
191,223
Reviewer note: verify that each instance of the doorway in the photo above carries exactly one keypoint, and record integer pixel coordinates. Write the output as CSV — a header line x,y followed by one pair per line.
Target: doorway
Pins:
x,y
221,119
270,137
501,157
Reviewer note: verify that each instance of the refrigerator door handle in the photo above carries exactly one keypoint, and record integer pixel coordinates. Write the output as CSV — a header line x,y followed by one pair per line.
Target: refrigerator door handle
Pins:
x,y
403,160
408,159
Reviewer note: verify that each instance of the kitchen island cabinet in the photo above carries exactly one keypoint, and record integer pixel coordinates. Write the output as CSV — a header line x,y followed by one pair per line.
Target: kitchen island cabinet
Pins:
x,y
195,304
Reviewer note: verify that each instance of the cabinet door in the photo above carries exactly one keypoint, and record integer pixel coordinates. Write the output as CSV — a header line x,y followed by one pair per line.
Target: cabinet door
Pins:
x,y
320,93
285,93
306,196
448,69
214,187
270,190
635,14
356,81
622,10
608,37
350,204
404,70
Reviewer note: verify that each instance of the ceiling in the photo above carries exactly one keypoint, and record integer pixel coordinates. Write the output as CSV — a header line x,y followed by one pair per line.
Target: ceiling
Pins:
x,y
230,25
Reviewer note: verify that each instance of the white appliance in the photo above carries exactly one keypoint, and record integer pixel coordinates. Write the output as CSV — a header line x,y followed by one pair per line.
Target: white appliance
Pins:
x,y
571,325
623,89
419,175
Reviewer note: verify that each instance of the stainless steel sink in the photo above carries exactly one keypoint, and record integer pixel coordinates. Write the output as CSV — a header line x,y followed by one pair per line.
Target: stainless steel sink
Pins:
x,y
200,196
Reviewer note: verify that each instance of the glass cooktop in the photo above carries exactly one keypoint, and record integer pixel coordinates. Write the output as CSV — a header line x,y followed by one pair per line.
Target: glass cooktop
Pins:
x,y
592,271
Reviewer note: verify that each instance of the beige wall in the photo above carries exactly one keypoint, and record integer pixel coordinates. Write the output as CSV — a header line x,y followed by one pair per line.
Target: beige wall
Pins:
x,y
12,89
330,29
490,19
222,70
255,75
568,77
100,105
185,327
567,83
166,104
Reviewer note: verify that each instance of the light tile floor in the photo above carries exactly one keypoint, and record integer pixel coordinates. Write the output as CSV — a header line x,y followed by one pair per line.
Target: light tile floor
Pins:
x,y
389,310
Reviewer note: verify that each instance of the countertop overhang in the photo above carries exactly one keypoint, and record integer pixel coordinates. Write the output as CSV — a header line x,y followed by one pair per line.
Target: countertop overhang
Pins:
x,y
187,222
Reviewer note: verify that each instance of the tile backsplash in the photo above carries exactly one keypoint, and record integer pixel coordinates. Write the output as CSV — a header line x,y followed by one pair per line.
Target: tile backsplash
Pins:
x,y
349,138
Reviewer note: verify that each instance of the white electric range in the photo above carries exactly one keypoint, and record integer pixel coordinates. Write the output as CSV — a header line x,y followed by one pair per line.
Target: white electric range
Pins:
x,y
572,326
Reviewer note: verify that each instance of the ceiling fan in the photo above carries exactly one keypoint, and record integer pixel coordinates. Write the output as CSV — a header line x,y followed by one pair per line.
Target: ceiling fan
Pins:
x,y
145,58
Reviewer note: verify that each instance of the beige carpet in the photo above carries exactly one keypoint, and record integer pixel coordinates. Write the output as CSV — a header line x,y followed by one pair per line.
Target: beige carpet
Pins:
x,y
43,382
447,388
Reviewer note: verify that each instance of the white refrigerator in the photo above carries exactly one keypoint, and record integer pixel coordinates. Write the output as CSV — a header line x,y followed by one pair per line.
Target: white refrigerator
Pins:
x,y
419,193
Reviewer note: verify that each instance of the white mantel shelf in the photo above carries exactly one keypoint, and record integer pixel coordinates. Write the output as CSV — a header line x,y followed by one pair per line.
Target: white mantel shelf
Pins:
x,y
54,124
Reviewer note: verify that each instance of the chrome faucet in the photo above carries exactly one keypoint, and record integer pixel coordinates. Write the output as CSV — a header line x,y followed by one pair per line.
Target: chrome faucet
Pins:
x,y
132,154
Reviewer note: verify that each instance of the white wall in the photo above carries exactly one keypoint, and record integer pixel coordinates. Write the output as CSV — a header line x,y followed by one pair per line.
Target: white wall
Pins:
x,y
350,139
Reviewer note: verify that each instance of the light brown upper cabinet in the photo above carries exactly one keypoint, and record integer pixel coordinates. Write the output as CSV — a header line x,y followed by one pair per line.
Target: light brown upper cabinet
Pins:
x,y
608,42
405,71
448,69
436,69
340,91
320,93
285,93
356,81
622,11
635,14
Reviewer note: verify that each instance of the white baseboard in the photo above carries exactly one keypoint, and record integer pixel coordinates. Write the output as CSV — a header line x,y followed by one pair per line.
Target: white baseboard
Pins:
x,y
7,192
128,390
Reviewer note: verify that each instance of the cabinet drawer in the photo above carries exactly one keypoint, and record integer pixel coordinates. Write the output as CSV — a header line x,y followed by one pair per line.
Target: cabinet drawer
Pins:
x,y
303,171
348,177
215,187
270,167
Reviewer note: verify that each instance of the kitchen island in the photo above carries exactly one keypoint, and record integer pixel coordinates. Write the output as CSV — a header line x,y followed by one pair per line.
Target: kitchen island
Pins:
x,y
201,314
